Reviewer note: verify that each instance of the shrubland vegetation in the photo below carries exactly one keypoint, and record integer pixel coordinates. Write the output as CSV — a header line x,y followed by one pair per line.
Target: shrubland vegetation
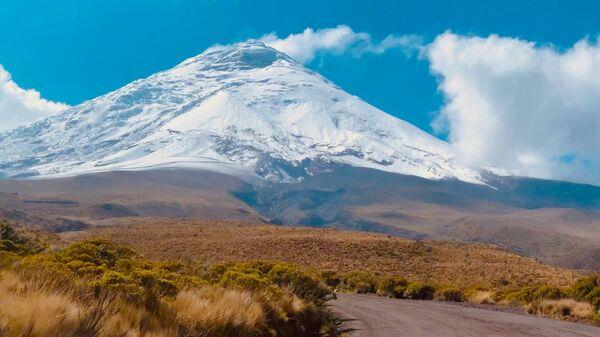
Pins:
x,y
460,264
578,302
99,288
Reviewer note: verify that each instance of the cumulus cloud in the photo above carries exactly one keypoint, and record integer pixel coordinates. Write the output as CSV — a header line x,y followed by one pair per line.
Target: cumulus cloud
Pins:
x,y
19,106
532,110
305,46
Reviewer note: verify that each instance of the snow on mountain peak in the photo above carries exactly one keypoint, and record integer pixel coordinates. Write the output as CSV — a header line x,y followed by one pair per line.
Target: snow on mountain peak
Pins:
x,y
242,56
246,109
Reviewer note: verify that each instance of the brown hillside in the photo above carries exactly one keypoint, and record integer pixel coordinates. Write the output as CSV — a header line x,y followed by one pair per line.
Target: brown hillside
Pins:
x,y
439,262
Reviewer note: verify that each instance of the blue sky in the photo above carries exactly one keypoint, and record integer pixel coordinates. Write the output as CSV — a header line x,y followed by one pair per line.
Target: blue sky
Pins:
x,y
537,73
72,50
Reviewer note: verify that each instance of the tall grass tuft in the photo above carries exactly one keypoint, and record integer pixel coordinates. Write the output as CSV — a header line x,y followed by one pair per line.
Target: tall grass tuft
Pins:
x,y
97,288
220,312
562,309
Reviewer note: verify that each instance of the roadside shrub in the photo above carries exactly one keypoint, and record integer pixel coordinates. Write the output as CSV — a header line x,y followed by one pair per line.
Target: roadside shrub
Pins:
x,y
330,278
594,298
588,289
393,286
261,275
549,293
299,282
219,312
419,291
99,289
360,282
243,281
582,287
38,314
478,296
529,294
562,309
449,294
521,296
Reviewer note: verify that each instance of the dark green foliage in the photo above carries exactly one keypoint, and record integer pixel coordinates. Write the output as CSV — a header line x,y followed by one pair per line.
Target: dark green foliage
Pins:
x,y
584,286
331,278
243,280
549,293
8,232
529,294
97,252
594,298
419,291
7,258
392,286
449,294
12,241
300,283
255,275
13,247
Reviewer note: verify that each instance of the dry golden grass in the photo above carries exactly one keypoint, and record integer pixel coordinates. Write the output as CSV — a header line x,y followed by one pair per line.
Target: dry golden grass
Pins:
x,y
220,312
481,297
35,313
32,308
562,309
329,249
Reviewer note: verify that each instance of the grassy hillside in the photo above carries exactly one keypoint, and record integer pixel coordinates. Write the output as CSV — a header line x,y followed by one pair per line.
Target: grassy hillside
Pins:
x,y
329,249
96,288
554,222
193,279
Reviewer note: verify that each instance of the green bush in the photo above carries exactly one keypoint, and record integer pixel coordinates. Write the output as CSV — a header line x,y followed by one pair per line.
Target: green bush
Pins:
x,y
449,294
522,296
393,286
419,291
110,280
241,280
300,283
7,259
14,242
330,278
13,247
582,287
549,293
594,298
530,294
360,282
9,233
266,275
106,266
116,281
97,252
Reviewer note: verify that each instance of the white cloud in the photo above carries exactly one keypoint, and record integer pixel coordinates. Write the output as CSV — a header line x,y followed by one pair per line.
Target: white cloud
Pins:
x,y
533,110
304,46
19,106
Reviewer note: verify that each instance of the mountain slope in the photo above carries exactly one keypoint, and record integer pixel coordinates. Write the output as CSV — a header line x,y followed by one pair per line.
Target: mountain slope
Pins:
x,y
559,224
247,110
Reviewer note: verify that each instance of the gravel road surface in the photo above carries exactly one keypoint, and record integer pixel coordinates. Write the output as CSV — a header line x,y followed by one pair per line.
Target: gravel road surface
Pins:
x,y
371,316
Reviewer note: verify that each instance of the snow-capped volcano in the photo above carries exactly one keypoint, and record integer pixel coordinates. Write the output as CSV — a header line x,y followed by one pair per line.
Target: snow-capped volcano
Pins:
x,y
247,109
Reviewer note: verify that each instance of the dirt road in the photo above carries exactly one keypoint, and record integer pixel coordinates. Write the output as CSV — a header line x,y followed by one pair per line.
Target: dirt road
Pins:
x,y
370,316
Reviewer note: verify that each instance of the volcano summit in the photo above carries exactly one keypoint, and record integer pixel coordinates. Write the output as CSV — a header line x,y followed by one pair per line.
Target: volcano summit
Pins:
x,y
245,110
